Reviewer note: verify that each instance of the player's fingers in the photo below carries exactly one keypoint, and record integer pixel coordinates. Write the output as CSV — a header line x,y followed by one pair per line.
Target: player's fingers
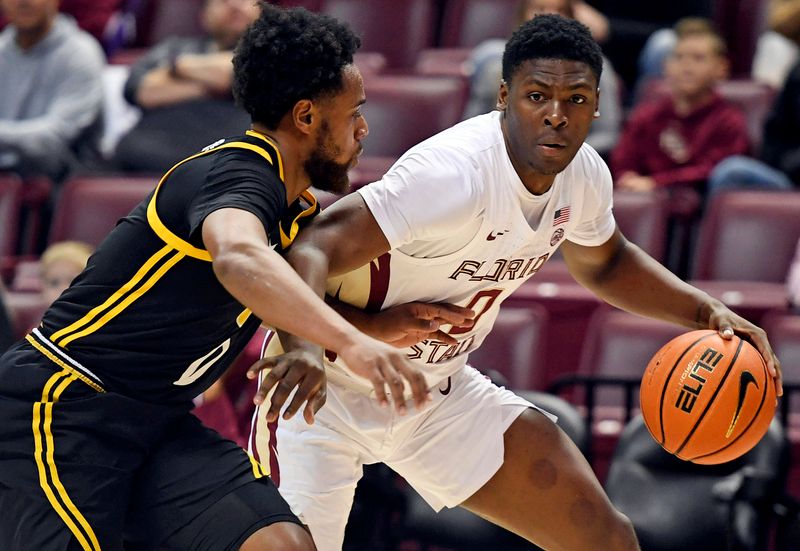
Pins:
x,y
443,337
450,314
275,374
758,338
282,391
395,382
417,384
726,332
260,365
308,387
313,405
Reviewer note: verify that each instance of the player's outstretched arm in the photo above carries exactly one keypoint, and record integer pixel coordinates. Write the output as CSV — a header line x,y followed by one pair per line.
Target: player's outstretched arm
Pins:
x,y
262,281
623,275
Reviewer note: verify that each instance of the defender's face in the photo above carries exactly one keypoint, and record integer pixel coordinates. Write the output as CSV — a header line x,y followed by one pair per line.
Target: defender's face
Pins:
x,y
340,134
548,109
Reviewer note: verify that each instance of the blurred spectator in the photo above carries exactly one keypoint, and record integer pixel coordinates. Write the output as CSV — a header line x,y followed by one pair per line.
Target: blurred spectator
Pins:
x,y
680,138
776,49
779,164
631,22
50,90
183,86
487,61
793,284
60,264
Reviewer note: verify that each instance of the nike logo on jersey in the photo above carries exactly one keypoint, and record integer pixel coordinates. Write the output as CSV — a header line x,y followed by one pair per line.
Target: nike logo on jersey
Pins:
x,y
495,234
446,390
745,379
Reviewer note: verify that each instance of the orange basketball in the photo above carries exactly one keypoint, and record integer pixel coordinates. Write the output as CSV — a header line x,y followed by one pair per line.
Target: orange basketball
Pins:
x,y
705,399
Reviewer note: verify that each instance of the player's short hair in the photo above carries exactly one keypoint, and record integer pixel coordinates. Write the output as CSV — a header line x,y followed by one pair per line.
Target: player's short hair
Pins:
x,y
699,26
551,37
288,55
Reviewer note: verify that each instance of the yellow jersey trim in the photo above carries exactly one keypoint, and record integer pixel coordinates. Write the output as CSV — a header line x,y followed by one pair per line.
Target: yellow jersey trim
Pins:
x,y
127,301
62,364
287,240
270,141
44,451
166,235
114,298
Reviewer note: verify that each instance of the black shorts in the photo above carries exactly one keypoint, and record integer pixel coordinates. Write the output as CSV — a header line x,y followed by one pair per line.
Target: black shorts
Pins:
x,y
81,468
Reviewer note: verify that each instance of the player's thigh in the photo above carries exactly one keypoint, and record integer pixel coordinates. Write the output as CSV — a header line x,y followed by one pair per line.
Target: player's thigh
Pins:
x,y
199,491
319,470
281,536
546,492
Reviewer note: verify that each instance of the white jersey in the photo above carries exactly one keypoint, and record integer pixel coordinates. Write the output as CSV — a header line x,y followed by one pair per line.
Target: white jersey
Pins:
x,y
463,229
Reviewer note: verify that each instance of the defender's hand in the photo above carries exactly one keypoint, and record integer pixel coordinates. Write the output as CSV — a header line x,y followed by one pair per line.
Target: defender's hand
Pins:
x,y
384,365
727,323
298,368
407,324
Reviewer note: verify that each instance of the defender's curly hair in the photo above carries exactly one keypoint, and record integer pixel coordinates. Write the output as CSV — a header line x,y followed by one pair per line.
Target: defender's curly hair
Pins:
x,y
287,55
551,37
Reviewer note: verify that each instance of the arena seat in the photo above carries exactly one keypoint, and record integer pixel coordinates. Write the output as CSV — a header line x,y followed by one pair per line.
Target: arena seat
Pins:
x,y
10,205
89,207
741,22
398,30
748,236
451,62
467,23
405,110
620,344
642,218
674,504
515,347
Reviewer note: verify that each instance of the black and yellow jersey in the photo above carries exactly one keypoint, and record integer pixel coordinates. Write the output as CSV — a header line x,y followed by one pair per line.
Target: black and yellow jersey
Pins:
x,y
147,317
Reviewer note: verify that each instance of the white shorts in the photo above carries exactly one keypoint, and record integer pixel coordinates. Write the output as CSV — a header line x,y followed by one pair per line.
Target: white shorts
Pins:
x,y
447,451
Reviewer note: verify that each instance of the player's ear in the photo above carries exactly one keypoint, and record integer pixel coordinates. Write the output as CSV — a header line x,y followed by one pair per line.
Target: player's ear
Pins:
x,y
502,96
305,116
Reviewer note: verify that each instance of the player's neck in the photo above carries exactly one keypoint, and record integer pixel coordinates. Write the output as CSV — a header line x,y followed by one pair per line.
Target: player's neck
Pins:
x,y
294,175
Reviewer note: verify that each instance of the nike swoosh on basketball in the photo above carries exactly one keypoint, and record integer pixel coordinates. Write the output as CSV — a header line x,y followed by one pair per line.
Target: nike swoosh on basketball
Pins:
x,y
746,378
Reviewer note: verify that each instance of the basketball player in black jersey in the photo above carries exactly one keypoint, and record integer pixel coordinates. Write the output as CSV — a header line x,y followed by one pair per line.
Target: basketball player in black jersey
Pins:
x,y
98,448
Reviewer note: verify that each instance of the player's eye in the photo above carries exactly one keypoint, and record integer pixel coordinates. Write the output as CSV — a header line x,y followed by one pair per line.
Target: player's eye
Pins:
x,y
536,96
578,99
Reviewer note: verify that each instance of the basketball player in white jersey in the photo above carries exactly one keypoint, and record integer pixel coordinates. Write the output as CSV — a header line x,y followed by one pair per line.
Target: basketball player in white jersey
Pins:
x,y
465,218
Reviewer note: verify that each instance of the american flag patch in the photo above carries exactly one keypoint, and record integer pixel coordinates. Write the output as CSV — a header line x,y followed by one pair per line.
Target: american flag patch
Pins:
x,y
561,216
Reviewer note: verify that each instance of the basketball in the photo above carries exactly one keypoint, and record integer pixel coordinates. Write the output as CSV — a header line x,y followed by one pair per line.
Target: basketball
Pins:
x,y
705,399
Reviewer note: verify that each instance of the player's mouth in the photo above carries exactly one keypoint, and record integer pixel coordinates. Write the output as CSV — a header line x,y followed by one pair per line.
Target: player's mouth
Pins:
x,y
551,148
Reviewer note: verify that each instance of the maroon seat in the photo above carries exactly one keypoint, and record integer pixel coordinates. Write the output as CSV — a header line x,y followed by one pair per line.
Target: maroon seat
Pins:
x,y
741,22
10,205
619,344
89,208
569,308
467,23
405,110
311,5
748,236
515,348
452,62
398,30
642,218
